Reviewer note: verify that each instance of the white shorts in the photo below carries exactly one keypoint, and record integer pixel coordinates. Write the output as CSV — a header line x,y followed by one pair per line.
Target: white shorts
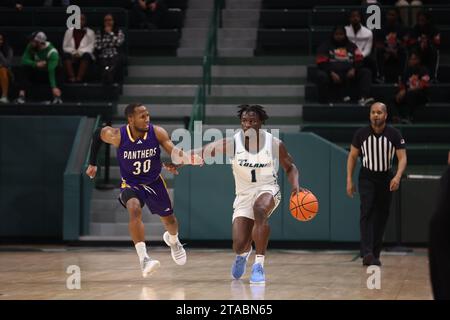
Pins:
x,y
243,203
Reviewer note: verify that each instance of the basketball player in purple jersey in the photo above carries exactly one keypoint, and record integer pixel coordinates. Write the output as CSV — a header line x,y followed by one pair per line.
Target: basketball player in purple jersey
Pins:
x,y
139,155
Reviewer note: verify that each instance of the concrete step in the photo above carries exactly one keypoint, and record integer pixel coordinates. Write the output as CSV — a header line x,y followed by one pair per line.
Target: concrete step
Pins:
x,y
195,33
192,42
164,71
233,43
240,14
250,22
164,110
200,4
263,99
239,4
238,33
155,230
190,52
230,110
216,80
262,71
236,52
198,14
135,90
194,61
196,23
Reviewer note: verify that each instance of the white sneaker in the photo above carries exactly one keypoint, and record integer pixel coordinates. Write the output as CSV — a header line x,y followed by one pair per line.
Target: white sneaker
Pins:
x,y
178,252
149,266
4,100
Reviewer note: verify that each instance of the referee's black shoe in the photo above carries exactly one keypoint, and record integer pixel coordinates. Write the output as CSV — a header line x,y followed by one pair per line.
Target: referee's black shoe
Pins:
x,y
368,259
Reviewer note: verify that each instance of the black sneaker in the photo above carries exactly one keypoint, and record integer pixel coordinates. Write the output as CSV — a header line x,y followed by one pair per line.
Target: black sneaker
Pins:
x,y
368,260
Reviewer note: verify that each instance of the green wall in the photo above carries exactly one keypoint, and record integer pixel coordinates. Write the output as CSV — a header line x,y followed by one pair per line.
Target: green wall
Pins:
x,y
33,155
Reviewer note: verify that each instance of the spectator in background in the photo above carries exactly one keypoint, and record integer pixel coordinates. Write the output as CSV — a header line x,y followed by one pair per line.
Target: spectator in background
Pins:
x,y
148,14
363,38
426,39
390,46
12,4
6,55
339,64
78,49
40,64
108,43
413,90
404,7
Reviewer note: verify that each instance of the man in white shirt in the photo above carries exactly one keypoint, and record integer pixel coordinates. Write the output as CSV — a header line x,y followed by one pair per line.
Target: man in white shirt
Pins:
x,y
363,38
78,46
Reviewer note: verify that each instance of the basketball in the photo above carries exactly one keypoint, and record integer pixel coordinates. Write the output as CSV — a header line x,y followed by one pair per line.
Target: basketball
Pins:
x,y
304,205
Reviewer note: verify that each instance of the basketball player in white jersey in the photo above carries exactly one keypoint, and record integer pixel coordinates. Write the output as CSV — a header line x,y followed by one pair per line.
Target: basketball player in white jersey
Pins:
x,y
255,155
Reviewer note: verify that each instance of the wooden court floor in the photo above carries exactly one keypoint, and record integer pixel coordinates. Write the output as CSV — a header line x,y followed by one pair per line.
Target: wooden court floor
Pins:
x,y
113,273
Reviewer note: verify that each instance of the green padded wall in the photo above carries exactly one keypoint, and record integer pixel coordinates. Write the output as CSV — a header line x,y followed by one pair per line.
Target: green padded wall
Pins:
x,y
33,155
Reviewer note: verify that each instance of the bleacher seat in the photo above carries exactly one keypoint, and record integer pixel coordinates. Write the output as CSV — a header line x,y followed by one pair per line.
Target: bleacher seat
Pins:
x,y
154,41
294,19
305,4
313,112
272,40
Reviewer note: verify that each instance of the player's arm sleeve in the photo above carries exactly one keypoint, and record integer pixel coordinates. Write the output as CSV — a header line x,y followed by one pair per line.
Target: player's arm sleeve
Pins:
x,y
95,146
356,141
398,140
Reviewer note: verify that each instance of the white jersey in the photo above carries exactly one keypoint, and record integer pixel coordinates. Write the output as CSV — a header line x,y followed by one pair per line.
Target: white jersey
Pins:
x,y
253,170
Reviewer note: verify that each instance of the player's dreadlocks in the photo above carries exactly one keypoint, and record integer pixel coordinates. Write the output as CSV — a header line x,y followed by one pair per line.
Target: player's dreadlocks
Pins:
x,y
256,108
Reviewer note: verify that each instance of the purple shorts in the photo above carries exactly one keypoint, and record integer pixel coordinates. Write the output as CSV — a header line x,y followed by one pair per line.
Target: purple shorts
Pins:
x,y
154,195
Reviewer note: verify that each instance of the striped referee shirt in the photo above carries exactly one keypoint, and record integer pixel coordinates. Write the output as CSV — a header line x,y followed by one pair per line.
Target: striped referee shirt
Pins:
x,y
377,150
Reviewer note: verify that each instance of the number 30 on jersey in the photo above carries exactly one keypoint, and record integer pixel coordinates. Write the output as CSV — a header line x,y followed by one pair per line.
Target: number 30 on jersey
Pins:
x,y
141,167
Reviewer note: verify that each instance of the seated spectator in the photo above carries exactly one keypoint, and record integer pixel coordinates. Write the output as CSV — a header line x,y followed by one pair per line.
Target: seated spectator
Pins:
x,y
426,39
39,65
390,45
340,64
412,92
108,43
12,4
148,14
78,49
363,38
404,7
6,55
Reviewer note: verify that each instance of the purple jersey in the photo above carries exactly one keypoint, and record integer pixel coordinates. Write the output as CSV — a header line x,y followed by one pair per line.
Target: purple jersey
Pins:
x,y
139,159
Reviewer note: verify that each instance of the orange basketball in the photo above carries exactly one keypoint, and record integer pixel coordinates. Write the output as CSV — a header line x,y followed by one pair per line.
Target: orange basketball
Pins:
x,y
304,205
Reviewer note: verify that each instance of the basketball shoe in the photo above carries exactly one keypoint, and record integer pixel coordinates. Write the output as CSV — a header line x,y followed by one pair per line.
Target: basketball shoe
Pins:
x,y
239,265
258,276
149,266
178,252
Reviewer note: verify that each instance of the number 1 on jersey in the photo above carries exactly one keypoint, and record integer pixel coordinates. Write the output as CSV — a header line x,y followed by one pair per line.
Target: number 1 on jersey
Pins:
x,y
253,175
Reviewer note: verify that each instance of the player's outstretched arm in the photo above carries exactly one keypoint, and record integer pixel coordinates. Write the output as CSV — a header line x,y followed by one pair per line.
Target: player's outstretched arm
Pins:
x,y
106,134
287,163
178,156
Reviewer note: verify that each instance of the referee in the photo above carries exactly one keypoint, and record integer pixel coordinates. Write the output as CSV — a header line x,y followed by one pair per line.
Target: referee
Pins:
x,y
376,144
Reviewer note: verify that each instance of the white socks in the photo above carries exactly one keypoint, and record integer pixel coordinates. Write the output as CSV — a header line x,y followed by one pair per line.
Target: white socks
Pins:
x,y
173,238
259,259
244,254
141,251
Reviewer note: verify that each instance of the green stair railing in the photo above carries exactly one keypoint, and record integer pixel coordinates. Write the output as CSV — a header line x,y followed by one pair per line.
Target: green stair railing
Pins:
x,y
210,53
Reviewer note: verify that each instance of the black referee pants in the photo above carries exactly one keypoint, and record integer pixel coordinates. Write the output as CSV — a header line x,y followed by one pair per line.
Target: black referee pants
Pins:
x,y
439,250
375,203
